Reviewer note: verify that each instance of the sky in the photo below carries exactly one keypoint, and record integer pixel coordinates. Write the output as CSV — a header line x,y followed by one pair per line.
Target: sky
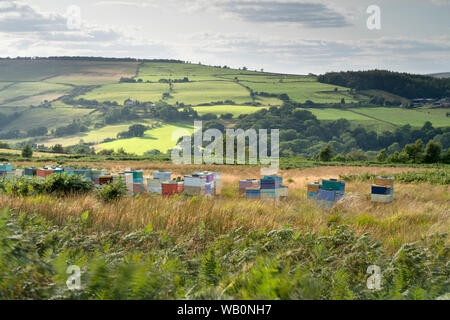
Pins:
x,y
287,36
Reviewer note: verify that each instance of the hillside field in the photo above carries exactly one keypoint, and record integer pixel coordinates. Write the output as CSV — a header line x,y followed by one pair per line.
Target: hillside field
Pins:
x,y
210,89
162,139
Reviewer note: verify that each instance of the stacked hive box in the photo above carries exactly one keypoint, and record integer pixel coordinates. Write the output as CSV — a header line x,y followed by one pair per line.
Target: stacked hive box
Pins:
x,y
154,184
43,173
383,190
128,179
209,178
105,180
253,193
6,167
331,191
170,188
313,190
30,172
244,184
284,190
162,175
194,185
6,170
19,173
138,181
270,187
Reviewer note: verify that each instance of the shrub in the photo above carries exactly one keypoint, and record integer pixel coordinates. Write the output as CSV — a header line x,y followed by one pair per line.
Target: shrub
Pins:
x,y
112,191
64,184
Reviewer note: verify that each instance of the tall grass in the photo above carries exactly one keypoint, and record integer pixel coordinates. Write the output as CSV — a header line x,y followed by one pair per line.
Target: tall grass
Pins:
x,y
145,264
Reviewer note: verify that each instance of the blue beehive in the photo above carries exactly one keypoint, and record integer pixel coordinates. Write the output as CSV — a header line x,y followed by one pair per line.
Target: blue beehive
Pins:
x,y
381,190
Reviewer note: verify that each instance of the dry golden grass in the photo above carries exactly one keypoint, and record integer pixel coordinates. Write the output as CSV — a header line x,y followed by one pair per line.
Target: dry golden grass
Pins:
x,y
418,210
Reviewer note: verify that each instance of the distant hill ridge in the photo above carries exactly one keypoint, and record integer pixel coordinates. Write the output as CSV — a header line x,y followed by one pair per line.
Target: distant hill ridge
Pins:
x,y
407,85
440,75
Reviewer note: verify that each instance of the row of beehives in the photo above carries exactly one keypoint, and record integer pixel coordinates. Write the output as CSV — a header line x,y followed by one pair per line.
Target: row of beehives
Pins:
x,y
269,187
327,193
199,183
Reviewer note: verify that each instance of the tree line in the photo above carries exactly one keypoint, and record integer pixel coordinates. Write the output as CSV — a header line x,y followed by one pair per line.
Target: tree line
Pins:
x,y
407,85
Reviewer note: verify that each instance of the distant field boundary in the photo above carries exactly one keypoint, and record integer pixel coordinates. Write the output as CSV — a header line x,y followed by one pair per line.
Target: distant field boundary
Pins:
x,y
371,117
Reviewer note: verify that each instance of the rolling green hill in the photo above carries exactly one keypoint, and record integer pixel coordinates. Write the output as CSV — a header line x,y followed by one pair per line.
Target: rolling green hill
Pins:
x,y
87,91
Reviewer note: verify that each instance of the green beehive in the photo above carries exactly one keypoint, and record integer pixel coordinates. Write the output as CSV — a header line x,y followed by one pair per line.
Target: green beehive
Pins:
x,y
136,174
331,185
30,171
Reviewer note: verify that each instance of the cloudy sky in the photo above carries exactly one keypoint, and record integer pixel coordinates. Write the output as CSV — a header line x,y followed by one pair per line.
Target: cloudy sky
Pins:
x,y
290,36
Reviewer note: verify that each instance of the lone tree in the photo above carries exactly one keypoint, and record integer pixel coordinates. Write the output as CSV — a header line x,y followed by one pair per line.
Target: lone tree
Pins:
x,y
27,151
432,152
382,155
326,154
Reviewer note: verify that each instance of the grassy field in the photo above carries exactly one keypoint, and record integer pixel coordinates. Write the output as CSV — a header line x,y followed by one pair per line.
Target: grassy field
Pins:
x,y
135,91
334,114
65,71
162,139
418,209
301,90
21,92
7,152
210,91
226,247
153,71
223,109
50,118
93,136
413,117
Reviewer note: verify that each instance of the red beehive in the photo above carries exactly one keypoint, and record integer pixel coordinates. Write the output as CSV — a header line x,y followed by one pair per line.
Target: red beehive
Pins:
x,y
169,188
43,173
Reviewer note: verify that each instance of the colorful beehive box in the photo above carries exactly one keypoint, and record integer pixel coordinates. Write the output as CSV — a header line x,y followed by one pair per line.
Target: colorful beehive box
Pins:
x,y
6,167
30,171
384,181
313,190
138,188
19,173
172,187
284,191
382,190
252,193
332,184
162,175
105,180
43,173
